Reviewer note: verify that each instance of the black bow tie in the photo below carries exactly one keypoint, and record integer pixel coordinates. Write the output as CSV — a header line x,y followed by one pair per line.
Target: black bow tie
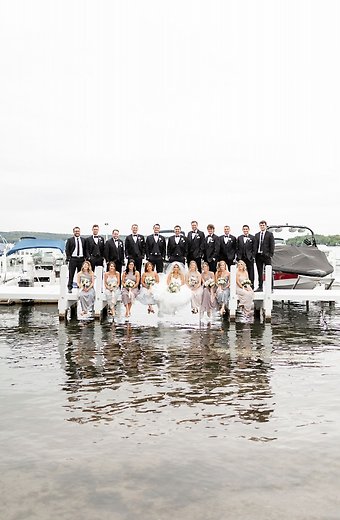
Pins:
x,y
156,234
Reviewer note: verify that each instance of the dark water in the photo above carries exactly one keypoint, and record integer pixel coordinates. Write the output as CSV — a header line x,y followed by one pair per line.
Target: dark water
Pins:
x,y
231,421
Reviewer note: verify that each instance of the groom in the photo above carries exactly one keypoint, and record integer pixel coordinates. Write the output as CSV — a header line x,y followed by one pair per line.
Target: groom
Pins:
x,y
177,246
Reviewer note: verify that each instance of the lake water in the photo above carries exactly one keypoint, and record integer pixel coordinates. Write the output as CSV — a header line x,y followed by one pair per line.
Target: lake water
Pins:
x,y
163,421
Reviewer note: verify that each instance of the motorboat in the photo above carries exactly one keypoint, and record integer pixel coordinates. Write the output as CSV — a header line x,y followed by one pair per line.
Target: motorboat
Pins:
x,y
32,261
302,266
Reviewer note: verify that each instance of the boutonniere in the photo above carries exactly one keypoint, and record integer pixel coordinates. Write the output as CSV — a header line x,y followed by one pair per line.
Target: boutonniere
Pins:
x,y
182,239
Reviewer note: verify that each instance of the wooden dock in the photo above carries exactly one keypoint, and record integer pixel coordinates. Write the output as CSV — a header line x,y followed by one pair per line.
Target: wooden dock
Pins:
x,y
58,293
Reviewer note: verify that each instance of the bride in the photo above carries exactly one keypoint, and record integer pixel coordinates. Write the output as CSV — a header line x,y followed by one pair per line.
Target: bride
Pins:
x,y
172,293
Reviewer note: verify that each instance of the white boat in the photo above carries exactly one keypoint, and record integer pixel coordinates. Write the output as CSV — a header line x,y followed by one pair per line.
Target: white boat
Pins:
x,y
300,267
32,262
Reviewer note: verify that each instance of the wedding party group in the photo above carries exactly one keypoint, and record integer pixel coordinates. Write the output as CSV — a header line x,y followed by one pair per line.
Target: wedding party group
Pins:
x,y
170,272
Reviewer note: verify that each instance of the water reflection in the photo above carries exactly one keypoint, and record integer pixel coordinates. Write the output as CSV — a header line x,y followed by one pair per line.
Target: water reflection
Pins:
x,y
186,376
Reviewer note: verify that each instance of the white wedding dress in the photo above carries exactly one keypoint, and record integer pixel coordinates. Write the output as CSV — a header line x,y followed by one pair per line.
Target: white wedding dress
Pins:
x,y
170,302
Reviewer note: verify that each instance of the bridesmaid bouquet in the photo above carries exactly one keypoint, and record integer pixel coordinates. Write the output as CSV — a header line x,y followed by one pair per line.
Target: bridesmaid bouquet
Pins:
x,y
246,283
149,281
209,283
192,281
112,285
173,287
85,283
221,282
129,284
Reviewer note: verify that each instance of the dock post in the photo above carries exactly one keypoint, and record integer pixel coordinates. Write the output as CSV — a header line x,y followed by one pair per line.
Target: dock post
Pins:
x,y
267,297
233,295
62,302
98,282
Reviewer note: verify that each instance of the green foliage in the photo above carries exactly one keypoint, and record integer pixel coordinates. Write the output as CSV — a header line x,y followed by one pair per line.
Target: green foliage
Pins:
x,y
327,240
14,236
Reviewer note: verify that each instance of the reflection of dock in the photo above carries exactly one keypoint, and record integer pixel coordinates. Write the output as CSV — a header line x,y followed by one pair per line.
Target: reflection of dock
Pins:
x,y
67,303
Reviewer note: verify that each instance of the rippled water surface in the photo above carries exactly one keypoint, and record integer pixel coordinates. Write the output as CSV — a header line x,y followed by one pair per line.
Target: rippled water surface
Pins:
x,y
227,421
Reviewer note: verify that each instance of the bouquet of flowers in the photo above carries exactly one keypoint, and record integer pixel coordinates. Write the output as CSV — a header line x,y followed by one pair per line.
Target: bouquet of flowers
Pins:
x,y
174,287
192,281
129,284
149,281
246,283
112,284
85,283
221,282
209,283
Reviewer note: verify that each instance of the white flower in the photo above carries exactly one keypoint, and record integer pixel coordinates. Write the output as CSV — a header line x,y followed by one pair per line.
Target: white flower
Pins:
x,y
112,284
192,281
246,283
149,280
221,281
85,283
174,287
209,283
129,283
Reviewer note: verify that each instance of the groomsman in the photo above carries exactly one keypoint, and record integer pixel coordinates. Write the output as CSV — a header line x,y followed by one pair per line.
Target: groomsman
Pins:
x,y
227,247
211,247
135,247
264,247
155,249
114,251
245,250
94,248
195,245
75,255
177,246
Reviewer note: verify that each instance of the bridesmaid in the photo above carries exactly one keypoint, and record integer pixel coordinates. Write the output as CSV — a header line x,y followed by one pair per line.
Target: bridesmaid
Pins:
x,y
208,296
194,282
222,280
149,279
130,282
85,281
243,288
112,286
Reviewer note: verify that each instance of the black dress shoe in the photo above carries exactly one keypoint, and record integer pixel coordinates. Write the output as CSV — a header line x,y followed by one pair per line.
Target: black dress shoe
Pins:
x,y
259,289
70,291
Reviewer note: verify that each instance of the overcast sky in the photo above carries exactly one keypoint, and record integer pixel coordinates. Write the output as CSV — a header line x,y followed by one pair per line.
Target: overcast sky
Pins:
x,y
166,111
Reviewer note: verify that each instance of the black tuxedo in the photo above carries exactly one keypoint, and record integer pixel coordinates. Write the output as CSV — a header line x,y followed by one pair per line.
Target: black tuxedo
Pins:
x,y
94,252
115,253
211,247
195,247
245,250
74,261
227,249
155,251
135,250
264,252
177,252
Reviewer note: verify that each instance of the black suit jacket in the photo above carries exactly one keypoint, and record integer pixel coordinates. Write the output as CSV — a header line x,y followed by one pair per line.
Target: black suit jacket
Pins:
x,y
180,249
227,249
153,248
211,248
195,245
70,246
92,249
245,250
112,252
134,249
268,244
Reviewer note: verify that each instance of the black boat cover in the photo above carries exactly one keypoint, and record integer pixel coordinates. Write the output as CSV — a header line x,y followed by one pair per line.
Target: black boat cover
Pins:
x,y
304,260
